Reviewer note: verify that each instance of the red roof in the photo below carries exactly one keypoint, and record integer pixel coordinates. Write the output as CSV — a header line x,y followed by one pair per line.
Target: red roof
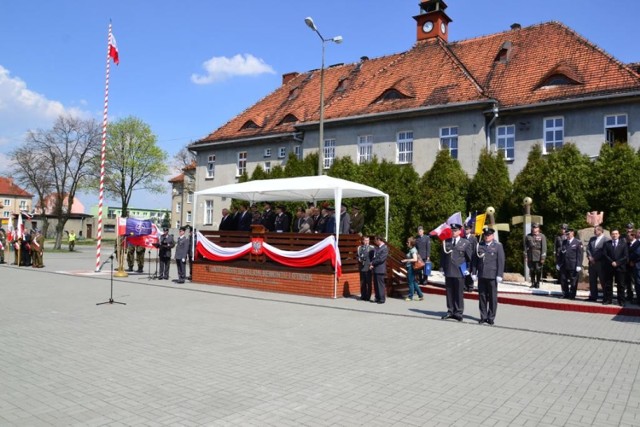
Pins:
x,y
8,188
512,68
177,178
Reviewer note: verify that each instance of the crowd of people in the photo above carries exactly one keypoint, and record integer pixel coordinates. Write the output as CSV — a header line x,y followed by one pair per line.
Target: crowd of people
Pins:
x,y
309,219
28,249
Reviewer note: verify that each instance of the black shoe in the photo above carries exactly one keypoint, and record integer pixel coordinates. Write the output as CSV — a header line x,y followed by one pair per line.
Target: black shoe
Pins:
x,y
592,299
380,302
180,281
130,269
447,316
481,321
140,270
606,302
490,322
458,318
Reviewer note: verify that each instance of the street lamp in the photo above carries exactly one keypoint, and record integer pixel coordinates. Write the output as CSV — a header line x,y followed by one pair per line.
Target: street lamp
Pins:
x,y
337,40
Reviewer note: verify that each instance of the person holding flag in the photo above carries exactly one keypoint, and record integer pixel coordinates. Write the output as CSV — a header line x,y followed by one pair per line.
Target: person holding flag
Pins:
x,y
3,244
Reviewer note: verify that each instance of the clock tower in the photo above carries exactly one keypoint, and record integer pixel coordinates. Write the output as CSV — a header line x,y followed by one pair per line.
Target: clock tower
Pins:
x,y
432,21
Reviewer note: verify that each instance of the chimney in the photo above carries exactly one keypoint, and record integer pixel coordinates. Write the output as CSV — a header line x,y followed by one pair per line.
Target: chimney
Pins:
x,y
286,78
515,26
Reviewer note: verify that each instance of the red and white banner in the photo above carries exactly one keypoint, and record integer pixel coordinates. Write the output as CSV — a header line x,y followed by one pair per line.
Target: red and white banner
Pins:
x,y
147,241
319,253
113,49
443,231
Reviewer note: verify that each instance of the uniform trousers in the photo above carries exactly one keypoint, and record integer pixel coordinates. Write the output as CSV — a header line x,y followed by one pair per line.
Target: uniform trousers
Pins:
x,y
366,279
455,295
164,268
569,283
488,298
182,269
380,287
535,269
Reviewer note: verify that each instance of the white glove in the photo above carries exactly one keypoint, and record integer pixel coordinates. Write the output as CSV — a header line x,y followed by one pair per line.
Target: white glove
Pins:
x,y
474,277
183,260
499,279
557,267
466,272
578,269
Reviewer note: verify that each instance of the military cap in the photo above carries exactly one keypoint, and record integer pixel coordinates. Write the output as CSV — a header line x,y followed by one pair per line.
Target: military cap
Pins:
x,y
455,226
488,231
535,225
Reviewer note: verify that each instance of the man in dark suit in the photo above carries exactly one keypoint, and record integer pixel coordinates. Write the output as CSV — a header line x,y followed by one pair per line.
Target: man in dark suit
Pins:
x,y
488,265
630,275
226,223
268,219
571,256
595,254
244,218
282,222
298,221
616,256
455,259
379,268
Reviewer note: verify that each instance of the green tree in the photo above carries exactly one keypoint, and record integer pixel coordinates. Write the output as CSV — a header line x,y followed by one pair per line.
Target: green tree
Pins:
x,y
490,186
133,161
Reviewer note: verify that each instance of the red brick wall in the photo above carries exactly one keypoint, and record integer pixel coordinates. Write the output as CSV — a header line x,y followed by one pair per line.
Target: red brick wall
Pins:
x,y
290,281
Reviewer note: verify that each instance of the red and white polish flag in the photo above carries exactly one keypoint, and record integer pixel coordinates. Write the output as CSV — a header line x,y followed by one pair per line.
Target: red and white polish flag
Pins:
x,y
113,49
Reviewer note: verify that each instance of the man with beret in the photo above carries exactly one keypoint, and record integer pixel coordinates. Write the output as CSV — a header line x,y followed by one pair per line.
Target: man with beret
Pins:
x,y
357,220
571,256
281,223
455,259
489,269
535,251
165,244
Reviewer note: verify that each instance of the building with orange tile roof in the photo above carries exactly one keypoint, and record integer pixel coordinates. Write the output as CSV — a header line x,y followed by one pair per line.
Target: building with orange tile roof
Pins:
x,y
13,199
543,84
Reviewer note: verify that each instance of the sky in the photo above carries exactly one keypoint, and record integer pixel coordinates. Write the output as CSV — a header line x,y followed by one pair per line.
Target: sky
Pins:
x,y
187,67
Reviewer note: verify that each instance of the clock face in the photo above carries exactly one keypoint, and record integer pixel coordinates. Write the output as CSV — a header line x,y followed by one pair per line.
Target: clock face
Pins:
x,y
427,26
443,28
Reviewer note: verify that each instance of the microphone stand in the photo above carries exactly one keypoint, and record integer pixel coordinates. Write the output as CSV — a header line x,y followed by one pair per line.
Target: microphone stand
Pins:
x,y
111,301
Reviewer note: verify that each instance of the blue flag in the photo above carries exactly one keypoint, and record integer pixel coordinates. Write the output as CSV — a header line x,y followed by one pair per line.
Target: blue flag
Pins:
x,y
138,227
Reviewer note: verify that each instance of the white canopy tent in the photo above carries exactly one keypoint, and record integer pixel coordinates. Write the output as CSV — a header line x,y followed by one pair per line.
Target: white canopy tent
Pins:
x,y
304,188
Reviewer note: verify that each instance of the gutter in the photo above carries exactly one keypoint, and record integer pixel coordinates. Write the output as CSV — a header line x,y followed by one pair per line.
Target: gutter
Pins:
x,y
594,99
495,111
289,135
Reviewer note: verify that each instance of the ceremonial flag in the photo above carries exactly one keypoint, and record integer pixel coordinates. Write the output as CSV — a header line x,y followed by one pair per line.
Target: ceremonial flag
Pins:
x,y
138,227
470,221
149,241
10,231
443,231
480,219
113,49
122,226
20,230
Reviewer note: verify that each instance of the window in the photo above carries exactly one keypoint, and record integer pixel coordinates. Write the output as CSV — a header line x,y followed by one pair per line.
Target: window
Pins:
x,y
449,140
208,212
365,148
405,147
189,216
506,139
249,124
178,224
267,152
111,214
267,167
297,150
178,207
553,133
23,204
242,163
282,152
189,197
615,128
211,166
329,152
7,202
109,228
6,214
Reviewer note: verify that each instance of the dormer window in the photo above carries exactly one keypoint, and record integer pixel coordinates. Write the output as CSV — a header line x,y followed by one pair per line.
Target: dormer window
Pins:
x,y
390,95
293,94
561,75
342,85
558,80
504,53
289,118
249,124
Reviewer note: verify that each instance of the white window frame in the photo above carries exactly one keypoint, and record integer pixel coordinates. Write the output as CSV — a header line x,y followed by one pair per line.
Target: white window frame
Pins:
x,y
267,167
23,204
449,140
552,128
619,121
506,140
241,165
190,197
6,214
297,150
329,153
365,148
282,152
267,152
188,217
178,207
7,202
211,166
208,212
404,147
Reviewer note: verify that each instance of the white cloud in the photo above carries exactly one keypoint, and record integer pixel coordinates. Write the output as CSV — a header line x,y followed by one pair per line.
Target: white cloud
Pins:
x,y
22,109
220,68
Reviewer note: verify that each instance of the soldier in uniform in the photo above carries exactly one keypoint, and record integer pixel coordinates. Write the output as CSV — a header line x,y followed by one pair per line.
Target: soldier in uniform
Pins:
x,y
136,252
471,237
488,268
455,260
379,268
571,255
281,223
268,218
357,220
37,248
535,251
557,247
630,276
182,253
322,221
365,256
165,245
3,244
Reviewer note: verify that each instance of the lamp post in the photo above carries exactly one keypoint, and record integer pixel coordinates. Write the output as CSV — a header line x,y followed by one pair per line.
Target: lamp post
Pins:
x,y
337,40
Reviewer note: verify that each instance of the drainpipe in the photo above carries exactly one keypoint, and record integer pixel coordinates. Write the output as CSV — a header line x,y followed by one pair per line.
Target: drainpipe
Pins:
x,y
493,119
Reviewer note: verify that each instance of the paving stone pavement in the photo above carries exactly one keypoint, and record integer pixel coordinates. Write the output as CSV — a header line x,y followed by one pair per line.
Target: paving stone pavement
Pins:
x,y
192,354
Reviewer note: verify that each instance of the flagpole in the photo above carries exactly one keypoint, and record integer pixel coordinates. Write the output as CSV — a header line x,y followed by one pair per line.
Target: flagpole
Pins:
x,y
103,153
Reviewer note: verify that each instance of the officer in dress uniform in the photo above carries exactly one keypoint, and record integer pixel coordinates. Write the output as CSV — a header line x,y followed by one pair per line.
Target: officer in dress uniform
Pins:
x,y
489,269
165,245
455,260
282,222
571,255
535,251
37,249
365,256
471,237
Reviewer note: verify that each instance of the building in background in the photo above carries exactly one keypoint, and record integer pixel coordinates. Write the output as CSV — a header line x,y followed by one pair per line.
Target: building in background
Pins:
x,y
13,200
543,84
182,189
